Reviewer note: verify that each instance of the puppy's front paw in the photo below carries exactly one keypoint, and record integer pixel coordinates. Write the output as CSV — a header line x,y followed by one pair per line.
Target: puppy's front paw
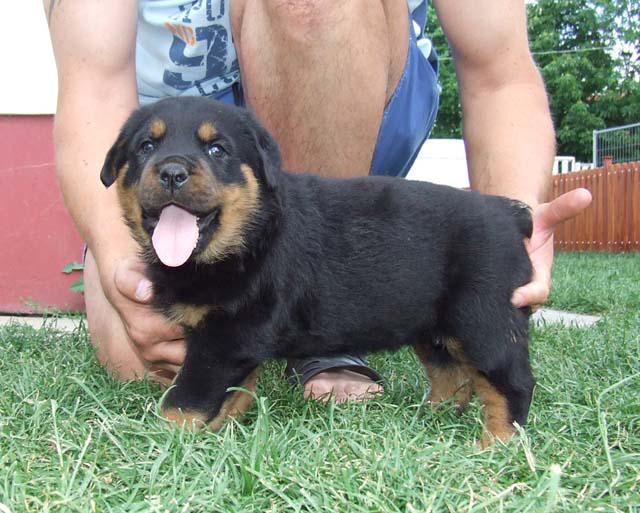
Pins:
x,y
188,419
489,439
175,409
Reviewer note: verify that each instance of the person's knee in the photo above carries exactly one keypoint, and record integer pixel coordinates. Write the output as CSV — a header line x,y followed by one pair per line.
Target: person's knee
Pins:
x,y
305,11
106,330
322,12
309,21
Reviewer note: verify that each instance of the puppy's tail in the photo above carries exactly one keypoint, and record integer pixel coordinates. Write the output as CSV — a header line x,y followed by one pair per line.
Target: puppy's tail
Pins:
x,y
521,212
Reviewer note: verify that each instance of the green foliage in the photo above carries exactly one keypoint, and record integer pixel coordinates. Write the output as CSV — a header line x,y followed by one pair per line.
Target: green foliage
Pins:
x,y
72,266
449,121
78,285
594,83
589,56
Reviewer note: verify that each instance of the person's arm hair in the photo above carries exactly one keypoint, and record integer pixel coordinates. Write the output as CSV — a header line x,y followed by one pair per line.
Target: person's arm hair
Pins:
x,y
94,47
508,131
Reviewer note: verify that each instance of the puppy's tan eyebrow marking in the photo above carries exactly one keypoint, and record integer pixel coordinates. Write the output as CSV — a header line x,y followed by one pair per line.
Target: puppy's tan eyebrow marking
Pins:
x,y
207,132
158,128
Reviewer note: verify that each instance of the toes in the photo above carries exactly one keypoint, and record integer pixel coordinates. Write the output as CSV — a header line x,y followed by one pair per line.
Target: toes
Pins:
x,y
317,392
342,385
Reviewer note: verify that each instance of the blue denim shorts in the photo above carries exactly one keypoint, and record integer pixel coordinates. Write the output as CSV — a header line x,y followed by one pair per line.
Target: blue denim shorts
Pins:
x,y
411,112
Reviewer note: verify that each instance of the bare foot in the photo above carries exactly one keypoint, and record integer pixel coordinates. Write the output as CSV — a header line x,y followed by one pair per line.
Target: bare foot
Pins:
x,y
343,385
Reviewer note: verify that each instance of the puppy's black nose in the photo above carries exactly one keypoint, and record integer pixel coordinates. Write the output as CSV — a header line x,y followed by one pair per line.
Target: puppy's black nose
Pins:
x,y
173,175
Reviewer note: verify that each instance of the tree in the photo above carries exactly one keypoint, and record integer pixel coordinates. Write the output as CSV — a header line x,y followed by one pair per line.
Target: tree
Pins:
x,y
449,121
589,56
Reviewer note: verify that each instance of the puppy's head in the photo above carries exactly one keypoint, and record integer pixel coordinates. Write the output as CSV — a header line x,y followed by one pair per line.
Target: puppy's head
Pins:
x,y
192,175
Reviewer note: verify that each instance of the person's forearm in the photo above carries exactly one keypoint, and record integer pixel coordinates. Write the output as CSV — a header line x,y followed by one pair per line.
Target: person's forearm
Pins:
x,y
96,92
510,140
85,127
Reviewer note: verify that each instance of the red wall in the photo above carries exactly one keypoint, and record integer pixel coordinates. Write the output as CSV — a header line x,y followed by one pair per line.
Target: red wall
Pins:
x,y
37,236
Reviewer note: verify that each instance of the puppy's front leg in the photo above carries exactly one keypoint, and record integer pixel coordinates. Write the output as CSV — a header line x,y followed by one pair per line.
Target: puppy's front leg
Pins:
x,y
199,396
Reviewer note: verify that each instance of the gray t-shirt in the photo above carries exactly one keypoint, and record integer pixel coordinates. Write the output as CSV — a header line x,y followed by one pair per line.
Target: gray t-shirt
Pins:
x,y
184,47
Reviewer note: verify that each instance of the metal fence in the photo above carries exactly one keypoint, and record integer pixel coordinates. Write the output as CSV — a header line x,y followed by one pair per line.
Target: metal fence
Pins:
x,y
621,142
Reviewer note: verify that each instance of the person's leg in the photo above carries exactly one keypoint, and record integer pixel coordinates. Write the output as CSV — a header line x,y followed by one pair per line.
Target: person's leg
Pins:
x,y
107,332
318,73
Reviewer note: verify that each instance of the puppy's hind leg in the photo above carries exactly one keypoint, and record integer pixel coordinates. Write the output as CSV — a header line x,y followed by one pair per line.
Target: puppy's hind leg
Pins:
x,y
449,378
506,393
497,357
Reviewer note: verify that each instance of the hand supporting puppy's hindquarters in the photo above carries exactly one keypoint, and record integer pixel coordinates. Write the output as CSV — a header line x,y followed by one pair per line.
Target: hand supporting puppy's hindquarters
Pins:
x,y
546,218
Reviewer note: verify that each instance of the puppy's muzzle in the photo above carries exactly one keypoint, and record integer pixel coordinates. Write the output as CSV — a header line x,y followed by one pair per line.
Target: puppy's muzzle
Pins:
x,y
173,175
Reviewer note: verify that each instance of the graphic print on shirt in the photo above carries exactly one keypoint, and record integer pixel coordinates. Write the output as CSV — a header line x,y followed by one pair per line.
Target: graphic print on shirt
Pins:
x,y
201,43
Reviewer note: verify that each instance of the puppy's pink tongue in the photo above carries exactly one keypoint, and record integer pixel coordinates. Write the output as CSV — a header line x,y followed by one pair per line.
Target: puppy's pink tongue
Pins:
x,y
175,236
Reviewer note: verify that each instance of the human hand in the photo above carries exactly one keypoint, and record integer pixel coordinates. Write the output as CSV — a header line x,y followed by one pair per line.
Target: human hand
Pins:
x,y
546,217
159,343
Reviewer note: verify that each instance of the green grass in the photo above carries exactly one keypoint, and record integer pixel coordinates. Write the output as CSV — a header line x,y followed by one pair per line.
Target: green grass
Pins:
x,y
596,283
73,439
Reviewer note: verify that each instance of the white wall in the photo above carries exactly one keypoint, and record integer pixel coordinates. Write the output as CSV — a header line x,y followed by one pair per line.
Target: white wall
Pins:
x,y
441,161
28,80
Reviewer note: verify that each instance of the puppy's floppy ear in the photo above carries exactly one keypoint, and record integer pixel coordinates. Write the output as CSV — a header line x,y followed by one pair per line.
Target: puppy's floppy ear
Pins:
x,y
269,158
116,158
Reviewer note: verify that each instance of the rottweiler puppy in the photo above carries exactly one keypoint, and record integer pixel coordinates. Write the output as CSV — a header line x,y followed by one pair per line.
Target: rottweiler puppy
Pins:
x,y
258,263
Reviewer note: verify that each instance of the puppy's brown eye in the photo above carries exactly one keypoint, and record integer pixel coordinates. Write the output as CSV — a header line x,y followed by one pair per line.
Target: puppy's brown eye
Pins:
x,y
146,147
215,150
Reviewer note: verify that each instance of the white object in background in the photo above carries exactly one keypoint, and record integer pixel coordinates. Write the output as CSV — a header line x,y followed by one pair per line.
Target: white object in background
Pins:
x,y
442,161
29,82
562,165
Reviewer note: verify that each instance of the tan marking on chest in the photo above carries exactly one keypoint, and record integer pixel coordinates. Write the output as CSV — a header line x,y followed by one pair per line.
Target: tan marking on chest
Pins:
x,y
188,315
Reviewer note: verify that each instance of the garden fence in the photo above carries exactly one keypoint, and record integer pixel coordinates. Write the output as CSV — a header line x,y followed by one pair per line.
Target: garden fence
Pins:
x,y
612,221
620,142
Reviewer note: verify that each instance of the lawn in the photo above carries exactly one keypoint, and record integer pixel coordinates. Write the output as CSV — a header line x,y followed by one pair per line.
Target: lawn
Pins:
x,y
73,439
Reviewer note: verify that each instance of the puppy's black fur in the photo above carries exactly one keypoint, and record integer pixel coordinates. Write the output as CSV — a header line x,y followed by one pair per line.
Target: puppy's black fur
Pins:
x,y
323,266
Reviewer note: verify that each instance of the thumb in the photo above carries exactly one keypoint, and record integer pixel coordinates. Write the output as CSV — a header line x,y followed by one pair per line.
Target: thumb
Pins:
x,y
132,283
562,208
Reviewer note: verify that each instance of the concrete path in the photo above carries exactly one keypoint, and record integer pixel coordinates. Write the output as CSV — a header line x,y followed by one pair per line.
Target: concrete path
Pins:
x,y
542,316
59,323
548,316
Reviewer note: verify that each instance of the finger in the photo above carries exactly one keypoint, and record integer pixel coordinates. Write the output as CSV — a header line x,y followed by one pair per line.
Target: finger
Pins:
x,y
165,368
132,283
533,293
170,367
562,208
163,373
168,331
147,328
171,352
